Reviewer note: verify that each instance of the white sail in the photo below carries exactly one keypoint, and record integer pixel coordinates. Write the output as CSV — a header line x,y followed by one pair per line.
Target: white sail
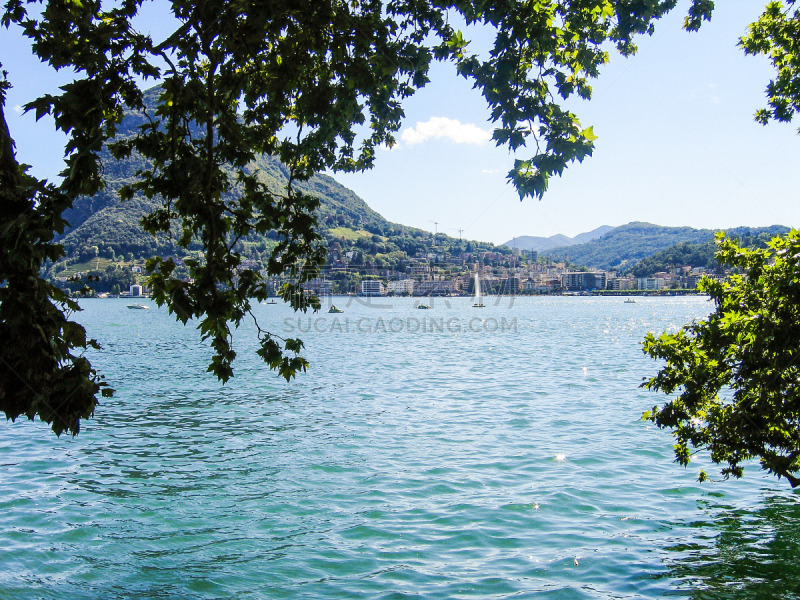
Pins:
x,y
478,301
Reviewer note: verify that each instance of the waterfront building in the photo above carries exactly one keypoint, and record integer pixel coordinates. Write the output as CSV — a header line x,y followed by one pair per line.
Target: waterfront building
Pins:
x,y
650,283
509,286
547,286
575,281
621,283
403,286
435,288
692,281
371,287
320,287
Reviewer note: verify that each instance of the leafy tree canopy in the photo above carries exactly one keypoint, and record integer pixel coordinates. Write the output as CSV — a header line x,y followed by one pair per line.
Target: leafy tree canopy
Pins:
x,y
736,373
318,84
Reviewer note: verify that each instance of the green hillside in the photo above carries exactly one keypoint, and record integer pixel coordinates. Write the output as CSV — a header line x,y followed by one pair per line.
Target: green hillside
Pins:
x,y
683,254
627,245
103,227
701,255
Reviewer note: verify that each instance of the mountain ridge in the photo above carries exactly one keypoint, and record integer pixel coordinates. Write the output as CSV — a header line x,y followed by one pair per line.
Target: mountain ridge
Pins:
x,y
559,240
102,225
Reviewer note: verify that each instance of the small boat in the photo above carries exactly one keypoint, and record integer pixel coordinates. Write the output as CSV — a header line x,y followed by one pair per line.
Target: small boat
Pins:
x,y
138,306
270,302
424,307
333,309
630,301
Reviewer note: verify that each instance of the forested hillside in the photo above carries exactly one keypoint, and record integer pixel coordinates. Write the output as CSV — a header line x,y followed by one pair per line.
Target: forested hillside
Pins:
x,y
104,229
627,245
105,222
700,255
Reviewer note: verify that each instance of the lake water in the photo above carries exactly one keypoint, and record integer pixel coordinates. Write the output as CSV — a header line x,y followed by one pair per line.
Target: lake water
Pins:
x,y
449,453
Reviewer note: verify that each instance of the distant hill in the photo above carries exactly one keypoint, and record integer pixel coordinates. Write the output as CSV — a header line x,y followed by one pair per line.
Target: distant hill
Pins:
x,y
624,246
540,244
701,255
583,238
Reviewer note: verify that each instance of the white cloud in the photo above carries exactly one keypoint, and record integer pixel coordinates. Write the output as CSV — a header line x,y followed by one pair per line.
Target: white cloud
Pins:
x,y
491,171
449,129
17,109
705,93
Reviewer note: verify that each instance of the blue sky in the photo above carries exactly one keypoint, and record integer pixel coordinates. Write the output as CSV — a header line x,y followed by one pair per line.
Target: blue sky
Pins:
x,y
677,143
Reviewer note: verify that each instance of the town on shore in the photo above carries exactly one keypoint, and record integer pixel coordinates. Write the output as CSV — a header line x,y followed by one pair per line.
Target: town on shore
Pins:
x,y
520,272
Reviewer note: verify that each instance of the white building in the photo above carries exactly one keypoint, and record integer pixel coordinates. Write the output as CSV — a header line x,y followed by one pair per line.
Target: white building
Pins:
x,y
650,283
371,287
404,286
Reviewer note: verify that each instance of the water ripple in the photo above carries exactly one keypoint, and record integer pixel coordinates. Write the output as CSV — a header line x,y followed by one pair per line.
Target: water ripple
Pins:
x,y
403,465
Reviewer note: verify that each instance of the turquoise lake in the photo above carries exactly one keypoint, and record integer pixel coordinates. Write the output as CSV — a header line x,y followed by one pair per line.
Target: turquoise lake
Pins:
x,y
449,453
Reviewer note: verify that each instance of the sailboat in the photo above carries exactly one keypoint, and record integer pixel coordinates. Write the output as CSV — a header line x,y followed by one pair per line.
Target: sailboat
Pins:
x,y
478,301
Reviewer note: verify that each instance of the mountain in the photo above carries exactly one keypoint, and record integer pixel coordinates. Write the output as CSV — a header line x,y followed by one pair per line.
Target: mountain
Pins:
x,y
103,221
102,226
540,244
626,245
